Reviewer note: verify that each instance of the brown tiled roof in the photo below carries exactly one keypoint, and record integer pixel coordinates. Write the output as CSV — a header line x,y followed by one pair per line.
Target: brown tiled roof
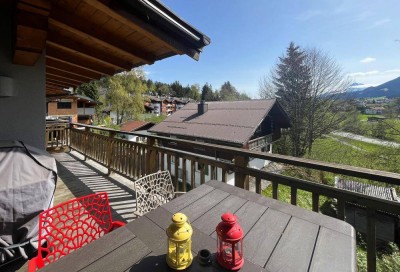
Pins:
x,y
228,121
367,189
134,125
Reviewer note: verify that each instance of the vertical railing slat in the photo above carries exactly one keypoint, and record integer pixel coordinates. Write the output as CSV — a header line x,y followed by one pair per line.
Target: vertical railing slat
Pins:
x,y
274,190
293,195
371,239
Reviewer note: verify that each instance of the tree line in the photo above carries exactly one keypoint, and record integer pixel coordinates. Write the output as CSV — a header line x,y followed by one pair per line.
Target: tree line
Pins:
x,y
125,93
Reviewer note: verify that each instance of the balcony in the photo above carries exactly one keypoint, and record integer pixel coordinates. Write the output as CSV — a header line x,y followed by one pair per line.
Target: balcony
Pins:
x,y
135,159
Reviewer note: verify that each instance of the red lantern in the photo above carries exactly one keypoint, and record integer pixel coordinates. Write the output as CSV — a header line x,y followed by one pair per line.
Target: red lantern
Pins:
x,y
230,242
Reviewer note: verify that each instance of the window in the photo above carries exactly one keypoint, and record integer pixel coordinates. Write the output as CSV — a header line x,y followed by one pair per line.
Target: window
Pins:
x,y
64,105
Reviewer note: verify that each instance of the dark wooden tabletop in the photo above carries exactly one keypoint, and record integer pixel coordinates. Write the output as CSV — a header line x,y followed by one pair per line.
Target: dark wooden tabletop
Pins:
x,y
278,236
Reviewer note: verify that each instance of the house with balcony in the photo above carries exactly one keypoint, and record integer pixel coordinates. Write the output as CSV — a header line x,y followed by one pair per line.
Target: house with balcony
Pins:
x,y
252,125
74,108
164,105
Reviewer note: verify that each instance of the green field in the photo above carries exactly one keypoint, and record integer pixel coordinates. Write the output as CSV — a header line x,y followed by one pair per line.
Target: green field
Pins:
x,y
339,150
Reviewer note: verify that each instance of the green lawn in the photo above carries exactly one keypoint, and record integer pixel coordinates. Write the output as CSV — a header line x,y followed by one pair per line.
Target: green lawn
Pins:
x,y
364,117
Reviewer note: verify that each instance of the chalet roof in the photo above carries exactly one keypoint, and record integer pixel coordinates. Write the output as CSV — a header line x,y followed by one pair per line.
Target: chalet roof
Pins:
x,y
228,121
135,125
85,40
367,189
80,98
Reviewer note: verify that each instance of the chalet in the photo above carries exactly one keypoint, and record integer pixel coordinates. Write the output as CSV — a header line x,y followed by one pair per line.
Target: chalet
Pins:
x,y
135,126
75,108
387,225
164,105
252,124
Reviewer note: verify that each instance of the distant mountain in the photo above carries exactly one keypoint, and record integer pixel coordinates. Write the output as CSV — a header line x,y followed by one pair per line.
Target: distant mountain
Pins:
x,y
355,87
389,89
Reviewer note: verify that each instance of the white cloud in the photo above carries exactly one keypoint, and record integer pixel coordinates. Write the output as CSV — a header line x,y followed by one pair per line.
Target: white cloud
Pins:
x,y
375,77
368,60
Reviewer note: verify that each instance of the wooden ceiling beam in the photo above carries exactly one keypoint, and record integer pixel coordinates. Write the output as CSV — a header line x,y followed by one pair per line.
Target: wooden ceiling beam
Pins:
x,y
71,69
115,10
90,52
31,32
66,79
67,83
56,84
63,74
76,60
61,84
86,30
115,14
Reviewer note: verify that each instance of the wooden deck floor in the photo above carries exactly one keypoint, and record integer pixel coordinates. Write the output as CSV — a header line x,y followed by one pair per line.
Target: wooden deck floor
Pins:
x,y
78,178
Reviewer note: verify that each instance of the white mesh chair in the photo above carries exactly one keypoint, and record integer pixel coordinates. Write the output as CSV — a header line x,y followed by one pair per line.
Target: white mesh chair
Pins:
x,y
153,190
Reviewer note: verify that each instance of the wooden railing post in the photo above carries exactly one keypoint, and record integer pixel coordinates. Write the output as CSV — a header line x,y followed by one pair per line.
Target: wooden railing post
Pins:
x,y
86,144
371,240
241,179
110,152
151,157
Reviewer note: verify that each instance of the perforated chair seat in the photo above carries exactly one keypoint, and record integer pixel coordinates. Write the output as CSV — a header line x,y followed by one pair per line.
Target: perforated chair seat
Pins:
x,y
71,225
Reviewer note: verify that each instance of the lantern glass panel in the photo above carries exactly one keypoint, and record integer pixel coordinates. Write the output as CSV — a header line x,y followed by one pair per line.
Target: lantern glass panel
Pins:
x,y
239,250
179,252
173,254
227,253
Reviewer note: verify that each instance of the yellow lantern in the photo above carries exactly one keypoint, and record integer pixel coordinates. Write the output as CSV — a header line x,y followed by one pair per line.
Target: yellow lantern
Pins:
x,y
179,235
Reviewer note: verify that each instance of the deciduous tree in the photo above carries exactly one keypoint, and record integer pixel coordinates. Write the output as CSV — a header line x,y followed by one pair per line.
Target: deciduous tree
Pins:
x,y
307,84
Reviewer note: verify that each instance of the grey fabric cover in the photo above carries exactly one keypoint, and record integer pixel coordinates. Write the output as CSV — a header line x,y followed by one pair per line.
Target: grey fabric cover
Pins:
x,y
27,182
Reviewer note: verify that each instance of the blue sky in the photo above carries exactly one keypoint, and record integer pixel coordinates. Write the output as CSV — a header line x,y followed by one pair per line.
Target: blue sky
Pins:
x,y
247,37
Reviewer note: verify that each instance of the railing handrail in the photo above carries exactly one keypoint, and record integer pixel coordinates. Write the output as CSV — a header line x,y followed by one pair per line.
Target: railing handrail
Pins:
x,y
360,172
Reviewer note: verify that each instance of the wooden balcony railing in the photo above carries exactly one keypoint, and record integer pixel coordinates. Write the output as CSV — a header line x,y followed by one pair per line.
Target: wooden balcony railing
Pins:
x,y
189,168
57,134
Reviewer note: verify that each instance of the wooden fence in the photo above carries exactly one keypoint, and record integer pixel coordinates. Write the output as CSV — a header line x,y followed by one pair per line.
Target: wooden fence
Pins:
x,y
134,159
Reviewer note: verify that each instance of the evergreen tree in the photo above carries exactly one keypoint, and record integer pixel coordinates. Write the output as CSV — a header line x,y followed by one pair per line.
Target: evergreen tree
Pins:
x,y
292,80
207,93
90,89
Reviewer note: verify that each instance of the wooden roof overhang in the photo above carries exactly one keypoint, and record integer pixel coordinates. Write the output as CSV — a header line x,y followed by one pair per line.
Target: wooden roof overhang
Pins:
x,y
88,39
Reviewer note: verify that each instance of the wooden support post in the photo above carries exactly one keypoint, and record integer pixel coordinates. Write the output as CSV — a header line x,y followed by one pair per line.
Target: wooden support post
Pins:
x,y
274,190
151,157
241,179
258,185
315,202
293,195
371,240
86,143
193,174
202,173
176,170
184,178
341,209
110,152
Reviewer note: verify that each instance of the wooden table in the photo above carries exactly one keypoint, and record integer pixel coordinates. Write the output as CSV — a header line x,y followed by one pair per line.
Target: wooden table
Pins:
x,y
279,236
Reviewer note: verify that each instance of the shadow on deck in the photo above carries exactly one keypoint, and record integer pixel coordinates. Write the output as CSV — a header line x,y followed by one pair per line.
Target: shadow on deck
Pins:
x,y
78,178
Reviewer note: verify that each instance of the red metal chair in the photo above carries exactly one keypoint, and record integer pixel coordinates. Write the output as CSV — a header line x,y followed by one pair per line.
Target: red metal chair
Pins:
x,y
71,225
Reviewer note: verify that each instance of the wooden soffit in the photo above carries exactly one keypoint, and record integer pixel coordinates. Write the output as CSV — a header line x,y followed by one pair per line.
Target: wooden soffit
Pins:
x,y
88,39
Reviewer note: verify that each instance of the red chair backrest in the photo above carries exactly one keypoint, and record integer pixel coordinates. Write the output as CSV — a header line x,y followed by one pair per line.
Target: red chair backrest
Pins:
x,y
71,225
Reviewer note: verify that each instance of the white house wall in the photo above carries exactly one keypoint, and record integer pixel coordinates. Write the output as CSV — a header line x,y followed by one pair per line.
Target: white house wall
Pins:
x,y
22,116
230,176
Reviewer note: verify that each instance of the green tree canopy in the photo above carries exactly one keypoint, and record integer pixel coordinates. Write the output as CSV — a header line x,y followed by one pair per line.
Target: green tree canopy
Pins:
x,y
90,89
124,95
